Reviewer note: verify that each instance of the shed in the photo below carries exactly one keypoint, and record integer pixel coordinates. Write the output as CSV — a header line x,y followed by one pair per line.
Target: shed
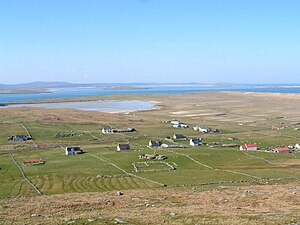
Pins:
x,y
122,147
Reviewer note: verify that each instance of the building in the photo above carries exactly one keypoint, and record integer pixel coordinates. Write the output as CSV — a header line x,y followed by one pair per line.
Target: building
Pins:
x,y
33,162
179,136
175,122
201,129
122,147
124,130
283,150
248,147
19,138
297,146
154,144
195,141
171,146
107,130
74,150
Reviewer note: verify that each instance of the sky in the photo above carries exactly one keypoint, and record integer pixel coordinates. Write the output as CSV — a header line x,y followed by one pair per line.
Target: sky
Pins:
x,y
109,41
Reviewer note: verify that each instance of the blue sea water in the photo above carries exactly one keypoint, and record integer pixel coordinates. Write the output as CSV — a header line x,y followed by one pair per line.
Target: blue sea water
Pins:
x,y
148,89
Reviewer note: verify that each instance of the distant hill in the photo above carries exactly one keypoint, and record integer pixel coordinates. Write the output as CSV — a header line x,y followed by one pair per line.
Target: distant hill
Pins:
x,y
36,85
47,85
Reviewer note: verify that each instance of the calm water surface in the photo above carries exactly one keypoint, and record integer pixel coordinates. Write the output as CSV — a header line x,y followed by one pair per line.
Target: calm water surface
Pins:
x,y
149,89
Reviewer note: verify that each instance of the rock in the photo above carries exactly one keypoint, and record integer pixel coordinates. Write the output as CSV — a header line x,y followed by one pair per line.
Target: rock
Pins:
x,y
120,220
119,193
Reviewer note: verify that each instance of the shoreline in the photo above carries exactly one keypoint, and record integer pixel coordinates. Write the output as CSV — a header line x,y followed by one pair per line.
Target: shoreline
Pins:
x,y
108,106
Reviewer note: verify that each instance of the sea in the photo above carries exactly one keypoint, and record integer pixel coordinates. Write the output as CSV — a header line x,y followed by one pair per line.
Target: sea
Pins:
x,y
145,89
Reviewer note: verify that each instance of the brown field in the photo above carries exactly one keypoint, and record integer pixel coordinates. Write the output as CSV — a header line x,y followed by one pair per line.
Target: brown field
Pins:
x,y
256,204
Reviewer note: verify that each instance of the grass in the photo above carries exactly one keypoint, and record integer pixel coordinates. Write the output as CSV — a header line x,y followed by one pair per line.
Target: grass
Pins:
x,y
84,173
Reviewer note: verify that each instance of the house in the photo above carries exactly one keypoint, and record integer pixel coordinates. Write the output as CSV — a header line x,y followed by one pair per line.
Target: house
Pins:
x,y
297,146
176,125
195,141
178,136
153,144
74,150
201,129
33,162
107,130
248,147
19,138
122,147
283,150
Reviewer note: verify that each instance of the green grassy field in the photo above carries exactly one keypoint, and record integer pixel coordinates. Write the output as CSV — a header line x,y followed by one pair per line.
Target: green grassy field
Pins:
x,y
113,170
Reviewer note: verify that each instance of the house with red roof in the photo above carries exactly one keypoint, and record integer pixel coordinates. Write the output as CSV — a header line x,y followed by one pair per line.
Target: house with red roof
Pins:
x,y
248,147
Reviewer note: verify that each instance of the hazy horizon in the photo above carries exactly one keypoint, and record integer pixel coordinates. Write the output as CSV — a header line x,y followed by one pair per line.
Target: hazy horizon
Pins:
x,y
145,41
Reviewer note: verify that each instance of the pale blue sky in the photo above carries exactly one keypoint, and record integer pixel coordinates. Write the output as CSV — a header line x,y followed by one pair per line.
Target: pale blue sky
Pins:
x,y
242,41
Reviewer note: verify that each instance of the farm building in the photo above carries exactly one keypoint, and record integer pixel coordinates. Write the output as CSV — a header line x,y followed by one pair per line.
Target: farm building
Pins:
x,y
283,150
33,162
179,136
248,147
122,147
195,141
153,144
19,138
74,150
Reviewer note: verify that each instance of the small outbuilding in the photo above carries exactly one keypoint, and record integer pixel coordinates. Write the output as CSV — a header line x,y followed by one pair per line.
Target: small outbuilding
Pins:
x,y
179,136
154,144
19,138
74,150
122,147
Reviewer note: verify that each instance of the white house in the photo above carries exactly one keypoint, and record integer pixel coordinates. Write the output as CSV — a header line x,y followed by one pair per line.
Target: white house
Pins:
x,y
195,141
201,129
297,146
175,122
107,130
